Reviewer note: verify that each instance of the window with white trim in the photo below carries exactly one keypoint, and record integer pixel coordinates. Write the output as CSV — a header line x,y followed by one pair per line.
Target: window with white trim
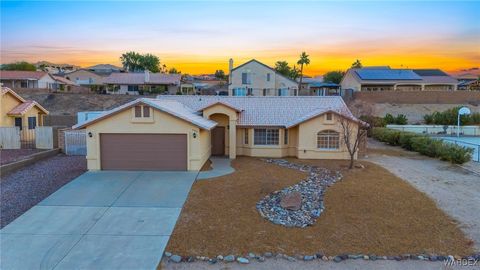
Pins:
x,y
266,136
285,137
246,78
328,139
283,92
245,136
142,111
239,91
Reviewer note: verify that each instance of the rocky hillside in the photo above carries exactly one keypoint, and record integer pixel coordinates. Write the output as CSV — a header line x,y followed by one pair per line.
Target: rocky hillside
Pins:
x,y
414,112
70,104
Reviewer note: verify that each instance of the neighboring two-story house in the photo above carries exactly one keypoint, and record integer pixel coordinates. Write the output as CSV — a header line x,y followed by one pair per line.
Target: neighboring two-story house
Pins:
x,y
254,78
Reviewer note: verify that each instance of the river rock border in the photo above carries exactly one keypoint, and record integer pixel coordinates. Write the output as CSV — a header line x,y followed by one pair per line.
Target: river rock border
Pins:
x,y
250,257
311,189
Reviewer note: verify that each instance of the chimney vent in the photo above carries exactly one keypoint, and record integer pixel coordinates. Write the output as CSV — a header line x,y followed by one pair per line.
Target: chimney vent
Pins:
x,y
147,76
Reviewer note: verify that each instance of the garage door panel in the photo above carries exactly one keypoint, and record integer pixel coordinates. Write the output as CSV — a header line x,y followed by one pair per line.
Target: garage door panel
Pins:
x,y
143,151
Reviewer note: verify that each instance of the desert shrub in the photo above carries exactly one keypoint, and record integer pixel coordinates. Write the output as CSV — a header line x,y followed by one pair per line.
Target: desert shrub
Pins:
x,y
389,119
427,146
405,140
455,154
401,119
423,144
449,117
373,121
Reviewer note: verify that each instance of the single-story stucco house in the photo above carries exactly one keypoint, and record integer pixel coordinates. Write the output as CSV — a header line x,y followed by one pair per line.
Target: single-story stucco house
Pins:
x,y
18,112
182,132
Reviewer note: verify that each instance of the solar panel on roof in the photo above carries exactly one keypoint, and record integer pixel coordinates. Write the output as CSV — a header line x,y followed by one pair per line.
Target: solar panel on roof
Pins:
x,y
387,74
429,72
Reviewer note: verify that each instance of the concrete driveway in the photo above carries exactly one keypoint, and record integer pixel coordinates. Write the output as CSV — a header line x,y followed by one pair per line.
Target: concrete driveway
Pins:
x,y
101,220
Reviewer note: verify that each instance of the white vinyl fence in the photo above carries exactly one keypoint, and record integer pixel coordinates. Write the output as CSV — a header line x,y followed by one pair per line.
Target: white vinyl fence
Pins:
x,y
438,129
76,142
44,137
9,138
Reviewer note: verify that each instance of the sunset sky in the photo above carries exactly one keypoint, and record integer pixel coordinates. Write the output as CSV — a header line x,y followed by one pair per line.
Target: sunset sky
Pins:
x,y
200,37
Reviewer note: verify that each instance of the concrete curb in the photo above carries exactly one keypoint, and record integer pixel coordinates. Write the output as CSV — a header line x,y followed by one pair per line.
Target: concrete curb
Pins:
x,y
10,167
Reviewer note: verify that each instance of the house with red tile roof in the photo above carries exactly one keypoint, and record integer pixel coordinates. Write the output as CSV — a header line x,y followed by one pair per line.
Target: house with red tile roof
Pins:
x,y
27,79
16,111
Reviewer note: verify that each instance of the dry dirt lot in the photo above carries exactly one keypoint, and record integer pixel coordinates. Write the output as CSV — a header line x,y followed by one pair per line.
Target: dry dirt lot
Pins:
x,y
371,211
454,189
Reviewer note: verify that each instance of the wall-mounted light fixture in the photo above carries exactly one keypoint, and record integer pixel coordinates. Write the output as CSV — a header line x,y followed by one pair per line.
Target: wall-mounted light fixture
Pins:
x,y
304,150
194,135
90,134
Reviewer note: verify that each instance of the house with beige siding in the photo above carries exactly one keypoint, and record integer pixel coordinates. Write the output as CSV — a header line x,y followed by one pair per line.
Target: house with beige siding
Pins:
x,y
388,79
254,78
182,132
16,111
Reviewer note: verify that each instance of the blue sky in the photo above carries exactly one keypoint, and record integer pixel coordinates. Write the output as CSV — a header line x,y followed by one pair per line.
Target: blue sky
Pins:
x,y
201,36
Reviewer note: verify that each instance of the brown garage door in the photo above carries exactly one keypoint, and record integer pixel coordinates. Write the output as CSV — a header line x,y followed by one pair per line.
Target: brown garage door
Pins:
x,y
143,152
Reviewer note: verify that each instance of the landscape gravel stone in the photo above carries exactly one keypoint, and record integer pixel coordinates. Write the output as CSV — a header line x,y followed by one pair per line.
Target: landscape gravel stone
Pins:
x,y
312,190
24,188
175,258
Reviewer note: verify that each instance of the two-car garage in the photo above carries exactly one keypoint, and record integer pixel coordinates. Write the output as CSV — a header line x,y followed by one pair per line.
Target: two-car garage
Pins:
x,y
143,152
148,135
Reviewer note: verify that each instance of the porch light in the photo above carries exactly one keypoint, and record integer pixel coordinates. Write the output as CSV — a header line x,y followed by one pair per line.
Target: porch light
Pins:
x,y
194,135
90,134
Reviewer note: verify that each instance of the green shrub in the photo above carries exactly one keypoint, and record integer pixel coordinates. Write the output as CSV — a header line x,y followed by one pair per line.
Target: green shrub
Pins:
x,y
405,140
427,146
456,154
401,119
389,119
450,117
423,144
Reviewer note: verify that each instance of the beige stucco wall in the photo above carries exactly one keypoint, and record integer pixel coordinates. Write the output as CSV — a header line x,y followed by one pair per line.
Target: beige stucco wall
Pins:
x,y
226,117
7,103
198,148
259,80
81,76
349,81
307,139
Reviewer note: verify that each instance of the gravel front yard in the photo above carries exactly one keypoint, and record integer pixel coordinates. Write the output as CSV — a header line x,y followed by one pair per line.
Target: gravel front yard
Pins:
x,y
454,189
11,155
22,189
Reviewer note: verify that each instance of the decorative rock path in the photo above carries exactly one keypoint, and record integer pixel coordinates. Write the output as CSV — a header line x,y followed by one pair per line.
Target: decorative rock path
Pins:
x,y
312,190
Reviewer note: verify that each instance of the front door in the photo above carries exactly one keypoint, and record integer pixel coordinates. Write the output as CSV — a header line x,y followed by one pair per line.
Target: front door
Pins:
x,y
218,141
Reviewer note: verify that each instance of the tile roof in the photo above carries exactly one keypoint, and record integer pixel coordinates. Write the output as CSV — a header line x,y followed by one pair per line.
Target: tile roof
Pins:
x,y
21,75
139,78
63,80
169,106
439,80
24,107
270,111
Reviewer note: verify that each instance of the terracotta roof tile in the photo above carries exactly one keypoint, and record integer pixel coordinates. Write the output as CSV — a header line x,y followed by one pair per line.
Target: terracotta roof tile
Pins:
x,y
21,75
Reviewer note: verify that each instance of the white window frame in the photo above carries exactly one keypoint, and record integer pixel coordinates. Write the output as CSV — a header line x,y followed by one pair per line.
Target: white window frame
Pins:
x,y
331,138
285,136
270,136
245,137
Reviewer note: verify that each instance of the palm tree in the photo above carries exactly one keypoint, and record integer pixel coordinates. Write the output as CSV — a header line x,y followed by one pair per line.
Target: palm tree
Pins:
x,y
131,61
302,61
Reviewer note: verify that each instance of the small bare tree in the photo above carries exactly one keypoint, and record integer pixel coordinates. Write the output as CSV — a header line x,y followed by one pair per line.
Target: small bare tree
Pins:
x,y
353,134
